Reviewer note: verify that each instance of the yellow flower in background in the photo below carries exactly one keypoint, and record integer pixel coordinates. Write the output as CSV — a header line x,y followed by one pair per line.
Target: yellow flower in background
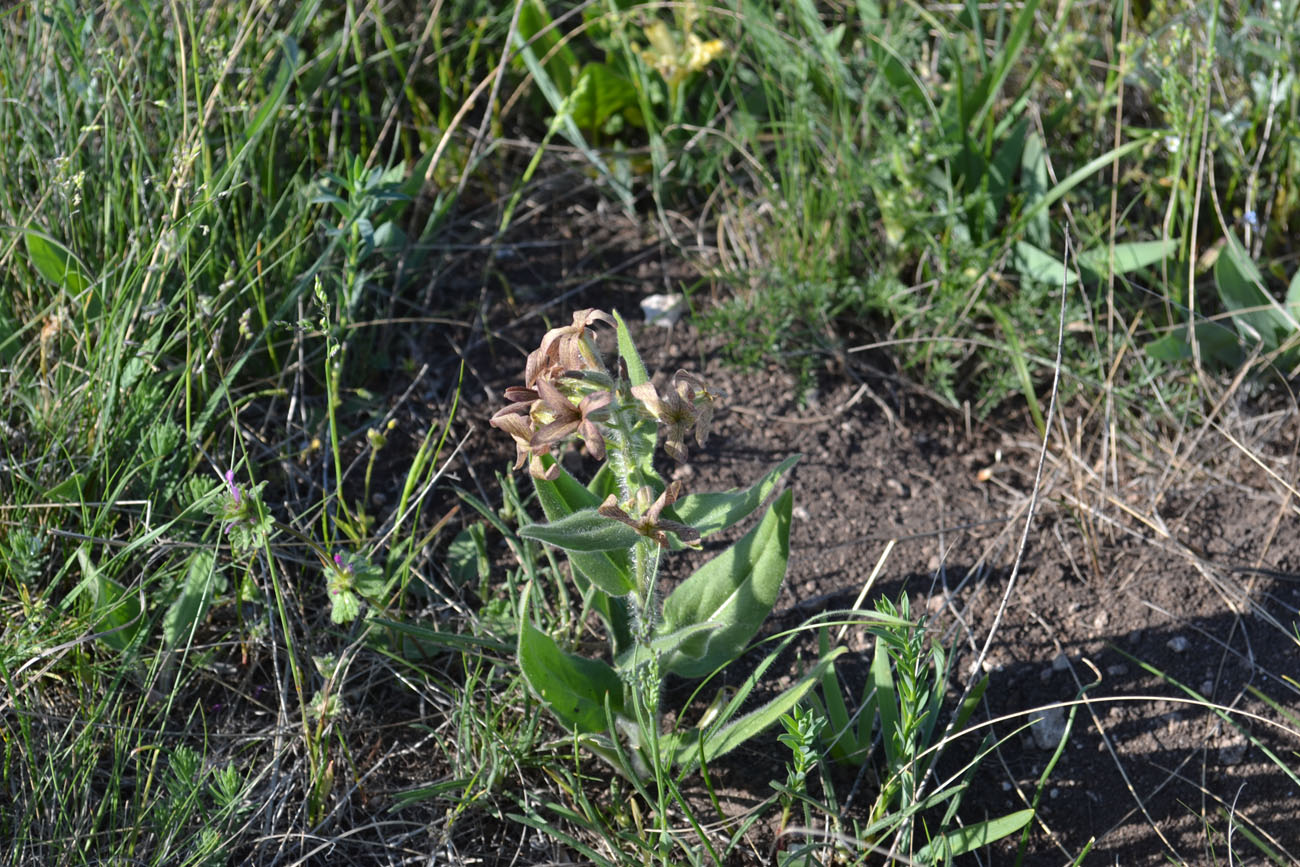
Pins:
x,y
675,58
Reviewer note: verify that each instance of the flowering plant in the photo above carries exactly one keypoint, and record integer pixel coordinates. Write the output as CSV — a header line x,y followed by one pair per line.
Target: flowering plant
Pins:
x,y
615,531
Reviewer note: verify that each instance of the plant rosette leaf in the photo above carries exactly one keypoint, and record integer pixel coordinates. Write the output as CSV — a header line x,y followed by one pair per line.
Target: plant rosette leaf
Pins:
x,y
584,531
735,590
573,688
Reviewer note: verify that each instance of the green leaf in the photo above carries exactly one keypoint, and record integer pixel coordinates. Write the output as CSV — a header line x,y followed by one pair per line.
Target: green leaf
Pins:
x,y
344,605
191,607
1293,296
1128,257
585,531
601,93
636,372
1219,345
575,689
1034,264
848,742
736,590
116,612
467,556
608,570
1034,180
880,681
535,26
55,262
959,841
722,739
711,513
70,490
1257,314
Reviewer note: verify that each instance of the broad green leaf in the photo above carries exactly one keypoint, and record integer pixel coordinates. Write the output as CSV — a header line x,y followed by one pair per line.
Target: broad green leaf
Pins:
x,y
601,94
1128,257
116,611
467,556
583,531
572,687
711,513
735,590
720,740
70,490
55,262
608,570
664,644
191,607
1034,264
1293,296
959,841
603,483
1034,180
1218,343
1257,315
636,372
536,28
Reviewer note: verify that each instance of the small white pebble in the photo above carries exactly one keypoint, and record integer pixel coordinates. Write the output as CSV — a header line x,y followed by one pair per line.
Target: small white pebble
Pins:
x,y
1006,787
1054,793
1178,644
663,310
800,513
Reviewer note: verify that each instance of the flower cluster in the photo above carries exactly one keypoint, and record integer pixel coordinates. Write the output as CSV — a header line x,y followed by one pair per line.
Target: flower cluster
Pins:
x,y
568,390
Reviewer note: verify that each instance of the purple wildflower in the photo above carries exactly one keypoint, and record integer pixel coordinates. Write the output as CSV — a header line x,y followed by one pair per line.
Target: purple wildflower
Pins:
x,y
234,489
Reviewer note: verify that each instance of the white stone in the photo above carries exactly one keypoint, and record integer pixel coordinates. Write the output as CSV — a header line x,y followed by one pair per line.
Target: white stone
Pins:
x,y
1047,727
663,310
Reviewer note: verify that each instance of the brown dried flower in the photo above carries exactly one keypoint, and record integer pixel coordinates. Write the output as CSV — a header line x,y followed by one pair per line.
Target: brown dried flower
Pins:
x,y
687,404
582,418
566,348
650,524
517,421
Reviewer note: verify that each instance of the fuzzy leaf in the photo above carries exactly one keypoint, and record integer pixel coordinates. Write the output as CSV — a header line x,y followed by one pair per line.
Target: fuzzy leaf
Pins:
x,y
344,606
572,687
712,513
584,531
608,570
116,610
735,590
636,372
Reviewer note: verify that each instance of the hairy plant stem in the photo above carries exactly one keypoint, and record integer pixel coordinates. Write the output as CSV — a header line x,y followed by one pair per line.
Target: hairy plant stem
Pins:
x,y
624,463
